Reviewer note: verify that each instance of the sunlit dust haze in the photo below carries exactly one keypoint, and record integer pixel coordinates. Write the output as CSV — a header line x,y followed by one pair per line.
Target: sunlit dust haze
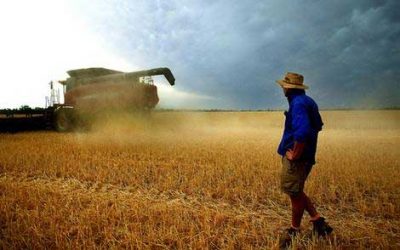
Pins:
x,y
224,55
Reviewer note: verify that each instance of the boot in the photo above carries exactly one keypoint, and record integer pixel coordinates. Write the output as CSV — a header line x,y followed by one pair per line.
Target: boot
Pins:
x,y
286,238
321,228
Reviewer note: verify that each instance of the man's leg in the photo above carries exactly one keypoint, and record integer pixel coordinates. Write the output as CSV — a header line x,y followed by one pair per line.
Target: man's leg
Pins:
x,y
293,176
320,227
310,208
298,207
290,186
300,203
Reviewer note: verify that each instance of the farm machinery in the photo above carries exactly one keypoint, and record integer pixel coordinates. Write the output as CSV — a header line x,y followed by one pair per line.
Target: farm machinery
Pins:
x,y
87,93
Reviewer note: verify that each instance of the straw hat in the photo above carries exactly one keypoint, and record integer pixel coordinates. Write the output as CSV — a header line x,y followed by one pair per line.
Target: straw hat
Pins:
x,y
292,81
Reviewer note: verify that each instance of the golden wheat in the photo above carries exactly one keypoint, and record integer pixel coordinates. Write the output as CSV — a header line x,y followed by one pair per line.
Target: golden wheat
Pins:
x,y
196,180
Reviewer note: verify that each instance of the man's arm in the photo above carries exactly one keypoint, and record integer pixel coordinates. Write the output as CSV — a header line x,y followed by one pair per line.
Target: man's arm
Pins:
x,y
296,152
301,126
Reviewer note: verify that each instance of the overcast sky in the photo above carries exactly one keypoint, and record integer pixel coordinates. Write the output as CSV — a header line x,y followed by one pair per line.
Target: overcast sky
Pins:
x,y
223,54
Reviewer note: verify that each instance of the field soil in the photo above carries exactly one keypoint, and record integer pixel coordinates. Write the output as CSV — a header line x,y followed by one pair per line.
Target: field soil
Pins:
x,y
197,180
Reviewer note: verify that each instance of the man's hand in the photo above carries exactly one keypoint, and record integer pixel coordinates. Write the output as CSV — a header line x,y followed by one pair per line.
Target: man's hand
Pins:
x,y
289,154
296,152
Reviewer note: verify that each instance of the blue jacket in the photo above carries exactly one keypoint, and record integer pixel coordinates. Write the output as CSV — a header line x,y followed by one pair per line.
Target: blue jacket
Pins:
x,y
302,124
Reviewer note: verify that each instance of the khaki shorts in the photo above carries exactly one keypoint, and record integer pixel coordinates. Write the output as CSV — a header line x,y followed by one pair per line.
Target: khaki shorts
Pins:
x,y
294,175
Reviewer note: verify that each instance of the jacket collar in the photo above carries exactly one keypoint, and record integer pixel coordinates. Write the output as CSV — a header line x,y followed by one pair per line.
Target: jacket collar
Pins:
x,y
294,93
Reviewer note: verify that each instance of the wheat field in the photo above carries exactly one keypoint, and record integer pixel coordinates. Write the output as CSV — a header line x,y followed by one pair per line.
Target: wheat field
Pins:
x,y
197,180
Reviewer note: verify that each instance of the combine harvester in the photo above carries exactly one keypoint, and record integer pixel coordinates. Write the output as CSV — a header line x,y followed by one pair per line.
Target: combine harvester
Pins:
x,y
87,93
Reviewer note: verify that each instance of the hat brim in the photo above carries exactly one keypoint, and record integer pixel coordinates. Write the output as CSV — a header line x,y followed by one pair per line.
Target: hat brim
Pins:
x,y
291,86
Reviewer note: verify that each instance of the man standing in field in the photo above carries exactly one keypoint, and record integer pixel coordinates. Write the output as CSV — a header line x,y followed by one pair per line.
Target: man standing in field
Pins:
x,y
297,148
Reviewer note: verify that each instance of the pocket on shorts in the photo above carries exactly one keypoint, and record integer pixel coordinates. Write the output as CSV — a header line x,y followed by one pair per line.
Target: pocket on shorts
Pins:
x,y
291,180
289,165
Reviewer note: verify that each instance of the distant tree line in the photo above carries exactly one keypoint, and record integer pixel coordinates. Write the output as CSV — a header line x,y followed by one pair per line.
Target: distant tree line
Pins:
x,y
22,108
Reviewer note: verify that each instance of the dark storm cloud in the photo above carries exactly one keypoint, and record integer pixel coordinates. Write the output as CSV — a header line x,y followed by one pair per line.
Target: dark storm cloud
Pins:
x,y
349,51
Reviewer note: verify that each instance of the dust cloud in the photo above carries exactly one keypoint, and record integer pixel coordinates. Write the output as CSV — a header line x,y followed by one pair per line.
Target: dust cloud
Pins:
x,y
168,126
133,127
122,111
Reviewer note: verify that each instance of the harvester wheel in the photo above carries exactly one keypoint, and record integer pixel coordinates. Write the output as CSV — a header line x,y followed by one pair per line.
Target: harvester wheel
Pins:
x,y
63,120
